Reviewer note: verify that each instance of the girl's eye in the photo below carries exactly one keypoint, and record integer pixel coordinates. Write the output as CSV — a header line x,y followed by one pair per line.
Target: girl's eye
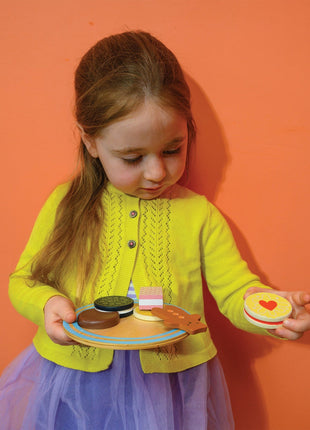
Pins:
x,y
173,151
137,159
133,160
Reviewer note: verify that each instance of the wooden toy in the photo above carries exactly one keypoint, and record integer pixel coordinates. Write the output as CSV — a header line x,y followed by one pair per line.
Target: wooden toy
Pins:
x,y
145,315
150,297
267,310
92,318
175,317
130,333
121,304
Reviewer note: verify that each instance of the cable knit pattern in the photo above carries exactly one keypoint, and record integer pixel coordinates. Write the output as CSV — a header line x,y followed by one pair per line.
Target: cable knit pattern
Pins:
x,y
156,243
110,242
84,352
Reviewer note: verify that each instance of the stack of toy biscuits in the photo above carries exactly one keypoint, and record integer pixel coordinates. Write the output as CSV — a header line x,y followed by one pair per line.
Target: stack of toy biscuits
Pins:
x,y
149,298
106,312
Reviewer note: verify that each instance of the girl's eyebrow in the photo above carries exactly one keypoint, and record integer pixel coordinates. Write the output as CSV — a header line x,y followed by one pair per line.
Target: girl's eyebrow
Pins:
x,y
124,151
130,150
178,139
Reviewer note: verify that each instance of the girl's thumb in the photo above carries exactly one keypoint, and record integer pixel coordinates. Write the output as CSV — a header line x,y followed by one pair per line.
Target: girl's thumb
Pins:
x,y
67,313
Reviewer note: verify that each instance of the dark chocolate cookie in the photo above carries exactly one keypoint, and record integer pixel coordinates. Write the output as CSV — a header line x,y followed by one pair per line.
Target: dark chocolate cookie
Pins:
x,y
94,319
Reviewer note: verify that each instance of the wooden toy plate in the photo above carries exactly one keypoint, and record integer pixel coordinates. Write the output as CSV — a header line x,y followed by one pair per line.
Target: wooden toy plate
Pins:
x,y
130,333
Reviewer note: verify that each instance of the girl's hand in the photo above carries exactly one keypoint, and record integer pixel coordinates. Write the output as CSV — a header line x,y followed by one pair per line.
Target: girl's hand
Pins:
x,y
57,310
299,322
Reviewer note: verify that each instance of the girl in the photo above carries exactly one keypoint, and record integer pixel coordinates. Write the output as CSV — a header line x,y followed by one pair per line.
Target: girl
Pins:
x,y
124,220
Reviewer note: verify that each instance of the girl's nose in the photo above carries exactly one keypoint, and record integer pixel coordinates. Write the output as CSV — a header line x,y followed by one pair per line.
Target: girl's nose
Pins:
x,y
155,170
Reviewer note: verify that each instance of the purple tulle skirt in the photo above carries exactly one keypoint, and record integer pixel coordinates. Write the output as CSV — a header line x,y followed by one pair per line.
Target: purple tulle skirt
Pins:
x,y
36,394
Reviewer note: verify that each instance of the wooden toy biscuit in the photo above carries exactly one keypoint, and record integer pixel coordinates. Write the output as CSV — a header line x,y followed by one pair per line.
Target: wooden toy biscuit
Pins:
x,y
121,304
145,315
266,310
94,319
175,317
150,297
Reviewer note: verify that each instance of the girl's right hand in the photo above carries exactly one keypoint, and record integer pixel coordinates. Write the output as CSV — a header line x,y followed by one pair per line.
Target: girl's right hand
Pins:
x,y
58,309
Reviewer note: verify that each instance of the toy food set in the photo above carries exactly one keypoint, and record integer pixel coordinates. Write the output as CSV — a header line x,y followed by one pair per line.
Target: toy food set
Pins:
x,y
116,322
266,310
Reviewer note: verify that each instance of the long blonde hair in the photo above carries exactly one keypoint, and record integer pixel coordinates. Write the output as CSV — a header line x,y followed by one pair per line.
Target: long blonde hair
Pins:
x,y
112,80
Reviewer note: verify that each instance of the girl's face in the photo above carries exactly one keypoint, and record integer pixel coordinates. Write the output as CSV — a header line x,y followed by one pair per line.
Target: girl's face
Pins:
x,y
143,154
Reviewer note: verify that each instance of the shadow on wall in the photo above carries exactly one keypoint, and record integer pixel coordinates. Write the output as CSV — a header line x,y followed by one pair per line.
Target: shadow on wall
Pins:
x,y
209,156
237,350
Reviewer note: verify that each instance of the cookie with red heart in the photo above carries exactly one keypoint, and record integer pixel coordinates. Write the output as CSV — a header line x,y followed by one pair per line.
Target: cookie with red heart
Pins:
x,y
267,310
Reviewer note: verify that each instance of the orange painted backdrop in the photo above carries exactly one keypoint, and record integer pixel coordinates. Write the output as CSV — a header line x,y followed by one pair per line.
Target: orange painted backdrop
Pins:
x,y
248,66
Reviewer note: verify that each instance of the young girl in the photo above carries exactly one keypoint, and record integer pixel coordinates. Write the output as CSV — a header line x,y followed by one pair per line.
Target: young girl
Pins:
x,y
125,221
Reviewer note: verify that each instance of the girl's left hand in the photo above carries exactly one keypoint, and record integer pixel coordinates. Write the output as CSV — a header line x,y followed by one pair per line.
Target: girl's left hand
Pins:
x,y
299,322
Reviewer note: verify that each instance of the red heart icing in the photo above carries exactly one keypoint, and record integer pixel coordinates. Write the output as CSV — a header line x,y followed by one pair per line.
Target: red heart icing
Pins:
x,y
270,305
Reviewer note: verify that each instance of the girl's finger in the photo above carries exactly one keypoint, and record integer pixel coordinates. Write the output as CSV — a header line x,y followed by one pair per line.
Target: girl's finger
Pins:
x,y
301,298
56,332
285,333
299,325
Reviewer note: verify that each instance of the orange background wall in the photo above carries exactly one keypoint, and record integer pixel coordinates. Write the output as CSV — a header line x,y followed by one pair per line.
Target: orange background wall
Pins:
x,y
248,66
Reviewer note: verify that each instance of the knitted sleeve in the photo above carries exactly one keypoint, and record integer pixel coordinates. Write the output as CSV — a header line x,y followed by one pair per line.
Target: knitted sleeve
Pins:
x,y
30,300
227,274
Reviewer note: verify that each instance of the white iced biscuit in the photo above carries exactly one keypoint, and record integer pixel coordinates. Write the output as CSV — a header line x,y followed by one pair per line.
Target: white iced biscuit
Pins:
x,y
145,315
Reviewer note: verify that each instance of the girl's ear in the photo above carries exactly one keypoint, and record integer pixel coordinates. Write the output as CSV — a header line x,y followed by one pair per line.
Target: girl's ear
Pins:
x,y
88,142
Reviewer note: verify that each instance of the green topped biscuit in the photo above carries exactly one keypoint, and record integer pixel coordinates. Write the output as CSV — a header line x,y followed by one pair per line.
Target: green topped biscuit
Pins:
x,y
113,303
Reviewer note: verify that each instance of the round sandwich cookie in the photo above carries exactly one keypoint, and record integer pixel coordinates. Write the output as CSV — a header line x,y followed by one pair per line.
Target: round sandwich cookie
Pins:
x,y
121,304
266,310
94,319
145,315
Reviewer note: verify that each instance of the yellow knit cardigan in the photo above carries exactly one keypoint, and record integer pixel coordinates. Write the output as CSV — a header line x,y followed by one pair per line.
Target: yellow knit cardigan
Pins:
x,y
178,238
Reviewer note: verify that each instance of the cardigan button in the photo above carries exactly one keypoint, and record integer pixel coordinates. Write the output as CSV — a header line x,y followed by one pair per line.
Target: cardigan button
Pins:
x,y
133,214
131,244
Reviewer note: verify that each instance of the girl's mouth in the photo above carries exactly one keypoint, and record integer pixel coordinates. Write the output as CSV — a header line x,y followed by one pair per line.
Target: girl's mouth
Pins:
x,y
152,189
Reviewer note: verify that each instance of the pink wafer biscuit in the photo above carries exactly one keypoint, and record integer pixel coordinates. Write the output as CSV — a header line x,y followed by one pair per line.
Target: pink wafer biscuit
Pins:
x,y
150,297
